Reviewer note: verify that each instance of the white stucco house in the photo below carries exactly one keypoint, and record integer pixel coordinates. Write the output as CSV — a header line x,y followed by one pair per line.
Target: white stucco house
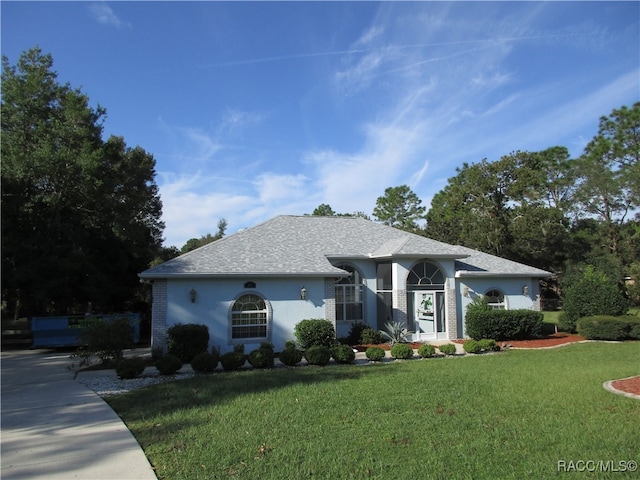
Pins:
x,y
257,284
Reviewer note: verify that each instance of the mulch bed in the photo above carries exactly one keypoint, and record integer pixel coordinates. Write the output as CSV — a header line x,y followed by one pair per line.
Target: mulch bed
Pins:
x,y
629,385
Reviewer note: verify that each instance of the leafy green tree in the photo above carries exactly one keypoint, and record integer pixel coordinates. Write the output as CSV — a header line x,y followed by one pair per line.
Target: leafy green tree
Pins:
x,y
324,210
401,208
608,173
515,207
194,243
591,292
80,216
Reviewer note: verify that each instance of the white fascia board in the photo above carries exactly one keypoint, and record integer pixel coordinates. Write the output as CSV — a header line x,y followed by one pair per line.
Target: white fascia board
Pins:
x,y
169,276
467,273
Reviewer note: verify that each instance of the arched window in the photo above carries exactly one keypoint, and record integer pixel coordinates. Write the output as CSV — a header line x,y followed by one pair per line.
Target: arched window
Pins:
x,y
249,318
495,299
427,275
349,296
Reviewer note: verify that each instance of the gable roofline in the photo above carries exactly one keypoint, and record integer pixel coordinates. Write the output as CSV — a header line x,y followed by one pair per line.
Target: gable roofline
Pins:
x,y
309,246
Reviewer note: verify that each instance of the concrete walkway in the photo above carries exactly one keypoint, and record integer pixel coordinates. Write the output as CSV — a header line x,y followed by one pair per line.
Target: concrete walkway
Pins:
x,y
55,428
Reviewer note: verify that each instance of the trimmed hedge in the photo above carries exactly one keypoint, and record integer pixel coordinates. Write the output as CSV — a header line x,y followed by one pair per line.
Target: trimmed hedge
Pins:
x,y
262,357
448,349
401,351
205,362
503,324
318,355
606,327
290,356
427,351
187,340
168,364
130,367
375,354
315,331
343,354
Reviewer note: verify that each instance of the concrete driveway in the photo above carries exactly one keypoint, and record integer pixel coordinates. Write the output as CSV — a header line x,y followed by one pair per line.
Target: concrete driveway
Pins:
x,y
55,428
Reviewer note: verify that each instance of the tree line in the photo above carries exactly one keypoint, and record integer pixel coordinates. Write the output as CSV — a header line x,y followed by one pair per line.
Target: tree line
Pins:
x,y
81,215
543,209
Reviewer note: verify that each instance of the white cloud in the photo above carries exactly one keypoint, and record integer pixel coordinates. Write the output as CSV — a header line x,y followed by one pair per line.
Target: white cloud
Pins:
x,y
105,15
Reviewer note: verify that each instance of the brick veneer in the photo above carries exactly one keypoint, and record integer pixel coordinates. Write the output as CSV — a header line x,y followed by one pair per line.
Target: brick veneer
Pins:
x,y
159,315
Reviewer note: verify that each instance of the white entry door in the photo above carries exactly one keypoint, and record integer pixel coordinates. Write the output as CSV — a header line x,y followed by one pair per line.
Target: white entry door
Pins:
x,y
425,313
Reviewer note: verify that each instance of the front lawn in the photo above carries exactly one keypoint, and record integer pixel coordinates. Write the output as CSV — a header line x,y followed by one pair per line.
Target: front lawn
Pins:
x,y
515,414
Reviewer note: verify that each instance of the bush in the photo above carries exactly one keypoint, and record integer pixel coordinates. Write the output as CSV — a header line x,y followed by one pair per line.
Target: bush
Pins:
x,y
593,293
401,351
318,355
604,327
130,367
315,331
168,364
205,362
471,346
375,354
447,348
107,340
396,332
232,360
355,333
290,356
262,357
187,340
343,354
488,345
503,324
426,351
370,336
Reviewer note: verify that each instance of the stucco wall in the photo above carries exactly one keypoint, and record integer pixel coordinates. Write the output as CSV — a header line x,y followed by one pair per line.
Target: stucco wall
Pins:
x,y
512,288
215,297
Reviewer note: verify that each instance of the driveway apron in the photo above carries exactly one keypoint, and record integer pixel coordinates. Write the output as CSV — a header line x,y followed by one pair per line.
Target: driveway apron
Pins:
x,y
55,428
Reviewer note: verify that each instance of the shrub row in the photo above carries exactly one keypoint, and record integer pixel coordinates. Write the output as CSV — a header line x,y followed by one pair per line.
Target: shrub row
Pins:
x,y
187,340
606,327
479,346
503,324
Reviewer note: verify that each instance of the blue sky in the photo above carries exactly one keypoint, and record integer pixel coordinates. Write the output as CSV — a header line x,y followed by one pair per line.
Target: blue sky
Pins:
x,y
258,109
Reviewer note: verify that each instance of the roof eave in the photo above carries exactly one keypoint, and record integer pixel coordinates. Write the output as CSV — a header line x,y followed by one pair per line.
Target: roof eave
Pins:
x,y
467,273
177,276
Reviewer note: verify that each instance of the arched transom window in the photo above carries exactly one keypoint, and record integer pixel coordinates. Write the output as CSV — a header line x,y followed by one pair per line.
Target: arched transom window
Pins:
x,y
349,296
426,275
249,317
495,298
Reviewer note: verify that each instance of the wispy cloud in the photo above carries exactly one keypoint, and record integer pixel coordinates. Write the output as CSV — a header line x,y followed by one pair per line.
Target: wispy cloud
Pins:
x,y
104,14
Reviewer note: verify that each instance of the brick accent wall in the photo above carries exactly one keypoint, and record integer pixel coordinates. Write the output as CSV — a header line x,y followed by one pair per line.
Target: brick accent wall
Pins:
x,y
400,306
452,312
330,300
159,315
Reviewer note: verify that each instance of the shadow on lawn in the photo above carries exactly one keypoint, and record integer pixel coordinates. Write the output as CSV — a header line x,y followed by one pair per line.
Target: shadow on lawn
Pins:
x,y
219,388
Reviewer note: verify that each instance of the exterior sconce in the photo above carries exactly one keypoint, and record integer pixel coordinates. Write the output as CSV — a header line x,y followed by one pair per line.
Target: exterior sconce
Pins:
x,y
192,295
465,291
525,290
303,293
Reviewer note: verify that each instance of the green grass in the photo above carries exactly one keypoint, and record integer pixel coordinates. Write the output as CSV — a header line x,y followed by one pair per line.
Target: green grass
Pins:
x,y
509,415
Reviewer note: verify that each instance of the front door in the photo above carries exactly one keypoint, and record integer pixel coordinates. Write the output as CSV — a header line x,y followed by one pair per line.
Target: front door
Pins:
x,y
425,314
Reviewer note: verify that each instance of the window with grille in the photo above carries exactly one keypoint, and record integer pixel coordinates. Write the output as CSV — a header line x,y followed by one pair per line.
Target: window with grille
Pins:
x,y
249,318
349,296
495,298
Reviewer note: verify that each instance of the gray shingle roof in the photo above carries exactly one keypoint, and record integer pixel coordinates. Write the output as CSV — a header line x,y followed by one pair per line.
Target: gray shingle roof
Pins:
x,y
303,245
483,264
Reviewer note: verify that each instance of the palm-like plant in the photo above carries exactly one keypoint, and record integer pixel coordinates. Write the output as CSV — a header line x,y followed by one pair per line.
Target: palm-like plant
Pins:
x,y
396,332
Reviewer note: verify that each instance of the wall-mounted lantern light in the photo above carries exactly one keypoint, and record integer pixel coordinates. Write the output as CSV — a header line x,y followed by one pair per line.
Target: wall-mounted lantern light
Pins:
x,y
465,291
303,293
525,290
192,295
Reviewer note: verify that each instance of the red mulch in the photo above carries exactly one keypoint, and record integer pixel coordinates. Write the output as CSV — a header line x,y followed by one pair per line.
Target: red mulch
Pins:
x,y
629,385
